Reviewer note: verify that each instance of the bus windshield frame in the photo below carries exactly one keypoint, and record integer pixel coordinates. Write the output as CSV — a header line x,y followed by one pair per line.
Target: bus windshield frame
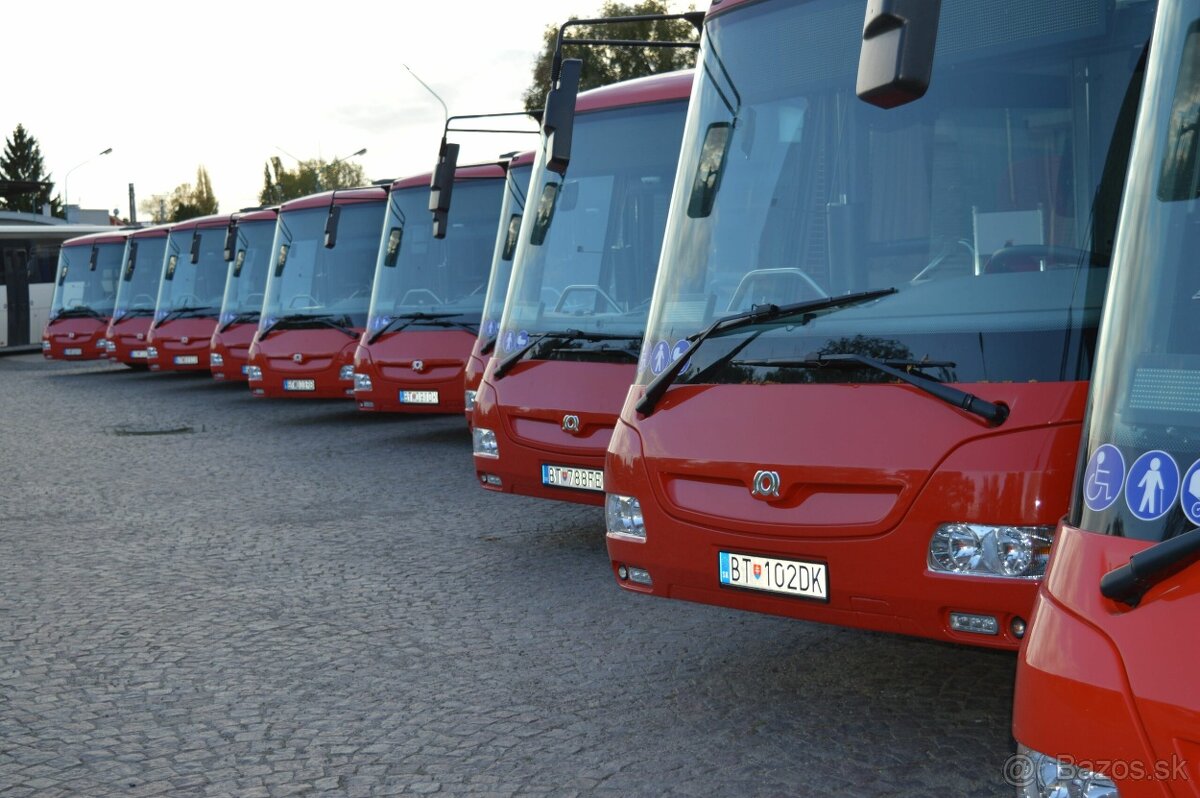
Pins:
x,y
140,276
247,272
196,287
79,287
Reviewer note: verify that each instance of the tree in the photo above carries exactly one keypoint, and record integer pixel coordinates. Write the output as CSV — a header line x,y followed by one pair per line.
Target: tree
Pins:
x,y
184,202
20,165
605,64
309,177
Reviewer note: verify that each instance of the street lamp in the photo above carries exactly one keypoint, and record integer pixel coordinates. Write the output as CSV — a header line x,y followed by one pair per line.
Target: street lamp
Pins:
x,y
333,164
67,177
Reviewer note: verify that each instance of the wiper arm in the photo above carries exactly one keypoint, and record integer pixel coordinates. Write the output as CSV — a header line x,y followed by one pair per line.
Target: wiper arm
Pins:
x,y
179,313
398,323
910,372
1128,583
241,318
756,315
80,311
134,312
488,345
504,366
342,323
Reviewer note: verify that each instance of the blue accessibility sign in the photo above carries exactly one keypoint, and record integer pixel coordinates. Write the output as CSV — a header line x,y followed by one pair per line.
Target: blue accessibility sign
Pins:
x,y
660,357
510,339
1103,478
1152,486
1189,494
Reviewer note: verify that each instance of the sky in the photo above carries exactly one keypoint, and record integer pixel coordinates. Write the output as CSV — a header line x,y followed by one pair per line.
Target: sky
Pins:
x,y
174,85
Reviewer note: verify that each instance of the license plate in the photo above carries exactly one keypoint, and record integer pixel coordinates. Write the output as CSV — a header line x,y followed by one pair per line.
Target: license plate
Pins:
x,y
299,385
789,577
569,477
419,397
138,354
187,360
72,351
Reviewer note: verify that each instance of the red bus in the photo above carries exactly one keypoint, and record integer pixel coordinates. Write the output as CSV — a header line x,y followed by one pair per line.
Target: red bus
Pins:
x,y
427,295
1107,702
250,247
516,188
318,293
85,290
578,295
136,296
865,369
189,295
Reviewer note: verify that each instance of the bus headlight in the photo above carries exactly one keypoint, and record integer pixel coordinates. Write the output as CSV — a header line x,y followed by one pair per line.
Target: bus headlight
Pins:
x,y
346,373
152,353
623,517
484,442
1038,775
469,400
362,382
216,360
45,346
253,373
1018,552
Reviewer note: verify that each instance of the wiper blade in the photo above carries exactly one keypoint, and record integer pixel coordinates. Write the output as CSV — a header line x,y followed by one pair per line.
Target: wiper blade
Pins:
x,y
77,312
630,354
398,323
133,313
756,315
488,345
298,320
179,313
910,372
504,366
1128,583
241,318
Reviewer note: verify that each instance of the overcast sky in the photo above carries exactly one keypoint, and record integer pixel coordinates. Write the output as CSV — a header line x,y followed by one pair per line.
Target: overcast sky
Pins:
x,y
173,85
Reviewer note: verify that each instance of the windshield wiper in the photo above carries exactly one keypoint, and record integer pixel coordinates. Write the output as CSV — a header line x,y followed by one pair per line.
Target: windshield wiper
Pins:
x,y
134,312
488,345
756,315
298,320
1128,583
241,318
535,342
398,323
908,371
179,313
81,311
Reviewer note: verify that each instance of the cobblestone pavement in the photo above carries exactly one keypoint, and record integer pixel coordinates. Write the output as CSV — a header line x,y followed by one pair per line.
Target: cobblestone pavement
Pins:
x,y
291,598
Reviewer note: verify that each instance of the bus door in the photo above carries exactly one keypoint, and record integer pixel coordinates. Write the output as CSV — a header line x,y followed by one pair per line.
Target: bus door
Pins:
x,y
16,281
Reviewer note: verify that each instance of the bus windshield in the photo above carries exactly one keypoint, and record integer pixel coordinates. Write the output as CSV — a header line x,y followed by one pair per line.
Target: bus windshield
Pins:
x,y
140,277
248,272
589,247
86,286
193,288
1142,434
308,279
417,273
989,205
516,187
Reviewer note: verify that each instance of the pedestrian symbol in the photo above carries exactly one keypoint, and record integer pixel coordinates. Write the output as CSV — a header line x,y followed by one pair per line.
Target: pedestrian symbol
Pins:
x,y
660,358
1190,496
510,339
1152,486
1103,478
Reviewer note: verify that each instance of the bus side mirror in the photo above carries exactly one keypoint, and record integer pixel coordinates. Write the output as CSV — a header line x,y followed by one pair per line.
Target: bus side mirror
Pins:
x,y
194,252
558,122
230,241
331,226
896,59
92,258
441,187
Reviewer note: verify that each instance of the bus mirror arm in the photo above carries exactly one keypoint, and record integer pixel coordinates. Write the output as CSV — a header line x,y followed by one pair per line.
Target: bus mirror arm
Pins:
x,y
1129,582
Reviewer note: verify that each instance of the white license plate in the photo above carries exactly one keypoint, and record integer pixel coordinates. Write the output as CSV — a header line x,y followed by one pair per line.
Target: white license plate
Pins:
x,y
419,397
138,354
789,577
569,477
187,360
299,385
72,351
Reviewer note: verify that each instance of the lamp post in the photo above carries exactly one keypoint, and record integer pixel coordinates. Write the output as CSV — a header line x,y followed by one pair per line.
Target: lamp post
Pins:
x,y
67,178
336,161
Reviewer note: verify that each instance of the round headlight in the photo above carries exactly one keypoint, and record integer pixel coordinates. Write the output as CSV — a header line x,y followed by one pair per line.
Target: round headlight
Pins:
x,y
1014,551
955,547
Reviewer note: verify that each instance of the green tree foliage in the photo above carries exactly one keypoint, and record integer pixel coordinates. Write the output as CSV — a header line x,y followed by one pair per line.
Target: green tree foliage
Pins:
x,y
21,163
186,201
309,177
603,64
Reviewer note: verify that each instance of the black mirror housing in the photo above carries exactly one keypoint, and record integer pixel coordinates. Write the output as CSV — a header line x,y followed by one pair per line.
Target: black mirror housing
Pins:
x,y
331,226
558,122
194,252
442,185
230,241
895,63
92,258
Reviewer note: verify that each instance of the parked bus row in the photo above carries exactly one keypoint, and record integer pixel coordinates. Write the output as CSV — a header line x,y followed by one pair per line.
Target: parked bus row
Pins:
x,y
815,324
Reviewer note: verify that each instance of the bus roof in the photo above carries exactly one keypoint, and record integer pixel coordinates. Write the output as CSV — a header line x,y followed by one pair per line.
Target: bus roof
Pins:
x,y
522,159
116,236
472,172
260,215
51,232
158,231
651,89
201,223
342,196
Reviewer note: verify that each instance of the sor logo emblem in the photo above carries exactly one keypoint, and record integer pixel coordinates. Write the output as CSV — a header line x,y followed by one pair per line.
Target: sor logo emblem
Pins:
x,y
418,365
297,357
184,340
570,423
766,485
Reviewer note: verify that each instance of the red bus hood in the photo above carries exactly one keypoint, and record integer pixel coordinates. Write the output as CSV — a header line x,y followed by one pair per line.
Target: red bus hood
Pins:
x,y
851,459
315,348
236,337
194,329
75,329
442,354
